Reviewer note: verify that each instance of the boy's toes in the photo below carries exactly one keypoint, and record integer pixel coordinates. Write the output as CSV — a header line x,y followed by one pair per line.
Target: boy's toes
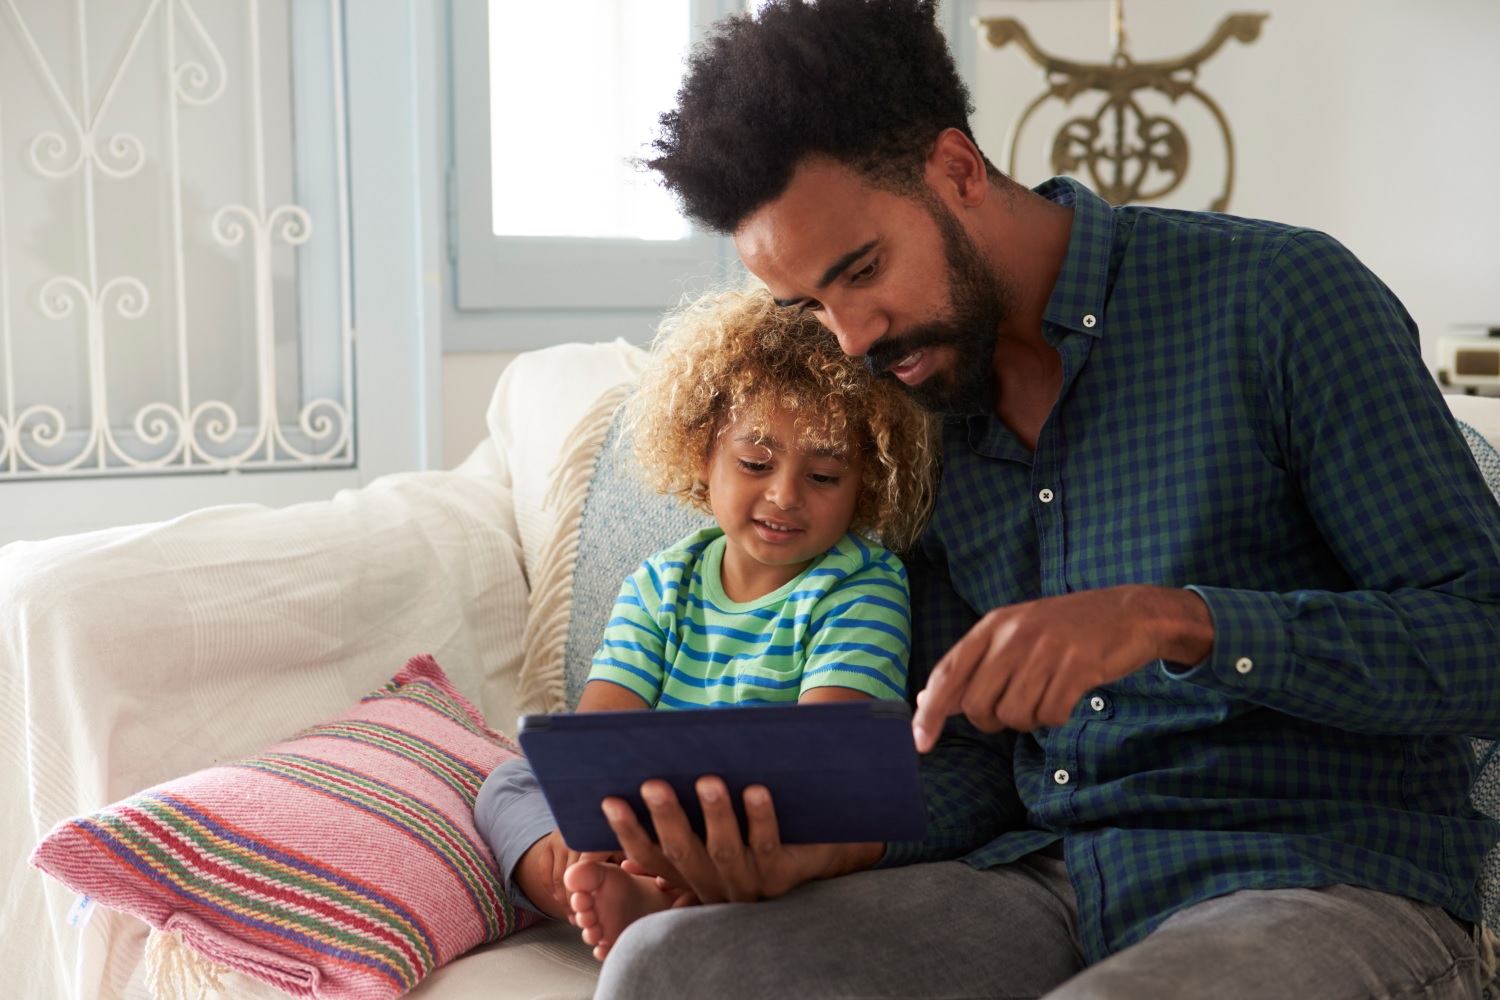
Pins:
x,y
584,876
583,909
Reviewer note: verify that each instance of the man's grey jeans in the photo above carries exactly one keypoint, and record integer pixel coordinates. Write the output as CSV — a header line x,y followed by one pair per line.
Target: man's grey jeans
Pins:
x,y
948,931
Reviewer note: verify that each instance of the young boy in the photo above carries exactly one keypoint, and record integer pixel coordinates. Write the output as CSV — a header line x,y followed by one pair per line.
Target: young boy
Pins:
x,y
751,412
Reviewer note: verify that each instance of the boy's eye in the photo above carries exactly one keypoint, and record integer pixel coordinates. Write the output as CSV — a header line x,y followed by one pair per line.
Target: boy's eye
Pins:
x,y
750,466
823,478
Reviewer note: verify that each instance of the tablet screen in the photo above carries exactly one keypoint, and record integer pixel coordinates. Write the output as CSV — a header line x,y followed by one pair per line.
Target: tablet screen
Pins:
x,y
838,772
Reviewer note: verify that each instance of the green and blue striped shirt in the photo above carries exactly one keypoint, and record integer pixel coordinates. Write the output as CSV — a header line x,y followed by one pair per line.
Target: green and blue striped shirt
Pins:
x,y
678,641
1244,412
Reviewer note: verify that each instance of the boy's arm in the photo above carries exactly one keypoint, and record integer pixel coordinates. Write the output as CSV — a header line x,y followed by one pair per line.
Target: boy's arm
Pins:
x,y
513,818
512,814
632,657
607,696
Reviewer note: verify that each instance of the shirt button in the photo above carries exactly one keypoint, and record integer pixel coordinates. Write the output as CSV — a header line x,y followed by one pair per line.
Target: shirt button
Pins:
x,y
1089,320
1045,496
1060,776
1243,665
1096,703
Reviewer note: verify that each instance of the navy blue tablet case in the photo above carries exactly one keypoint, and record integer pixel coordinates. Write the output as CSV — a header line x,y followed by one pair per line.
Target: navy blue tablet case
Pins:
x,y
838,772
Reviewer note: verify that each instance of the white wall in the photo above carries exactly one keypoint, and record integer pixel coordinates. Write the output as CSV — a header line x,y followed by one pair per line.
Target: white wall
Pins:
x,y
1373,120
469,379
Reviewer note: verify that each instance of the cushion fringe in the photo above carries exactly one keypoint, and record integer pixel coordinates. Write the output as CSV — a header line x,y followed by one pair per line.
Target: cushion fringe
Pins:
x,y
176,972
542,682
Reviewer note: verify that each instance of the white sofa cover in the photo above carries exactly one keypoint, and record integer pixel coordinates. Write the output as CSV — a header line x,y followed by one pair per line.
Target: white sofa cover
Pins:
x,y
134,655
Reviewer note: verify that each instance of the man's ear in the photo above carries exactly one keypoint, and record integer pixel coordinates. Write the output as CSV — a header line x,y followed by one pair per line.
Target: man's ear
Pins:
x,y
956,169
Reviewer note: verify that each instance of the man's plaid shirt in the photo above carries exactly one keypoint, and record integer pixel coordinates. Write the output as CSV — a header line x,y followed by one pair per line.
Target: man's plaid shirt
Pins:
x,y
1245,412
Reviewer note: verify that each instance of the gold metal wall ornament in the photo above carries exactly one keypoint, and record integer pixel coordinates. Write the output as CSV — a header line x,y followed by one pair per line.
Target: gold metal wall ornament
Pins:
x,y
1132,156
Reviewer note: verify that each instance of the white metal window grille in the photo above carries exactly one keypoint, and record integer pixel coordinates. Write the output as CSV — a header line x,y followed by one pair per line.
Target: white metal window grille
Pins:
x,y
174,254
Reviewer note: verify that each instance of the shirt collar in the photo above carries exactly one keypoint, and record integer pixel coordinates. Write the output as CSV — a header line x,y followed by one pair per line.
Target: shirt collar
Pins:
x,y
1077,301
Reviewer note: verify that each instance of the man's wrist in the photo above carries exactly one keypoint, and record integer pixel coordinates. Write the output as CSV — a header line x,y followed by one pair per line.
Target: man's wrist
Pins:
x,y
849,858
1180,623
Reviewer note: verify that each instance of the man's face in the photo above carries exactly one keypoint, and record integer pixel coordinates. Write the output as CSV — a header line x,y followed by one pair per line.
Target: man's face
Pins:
x,y
896,279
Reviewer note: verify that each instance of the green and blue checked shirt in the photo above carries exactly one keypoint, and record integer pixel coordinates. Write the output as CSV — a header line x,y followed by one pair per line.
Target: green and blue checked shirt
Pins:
x,y
1244,412
678,641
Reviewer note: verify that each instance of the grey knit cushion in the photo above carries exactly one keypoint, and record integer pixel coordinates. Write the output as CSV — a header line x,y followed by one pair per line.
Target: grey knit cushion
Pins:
x,y
623,522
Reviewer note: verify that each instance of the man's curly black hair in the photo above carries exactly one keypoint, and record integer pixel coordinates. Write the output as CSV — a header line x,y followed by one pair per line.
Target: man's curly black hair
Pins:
x,y
869,83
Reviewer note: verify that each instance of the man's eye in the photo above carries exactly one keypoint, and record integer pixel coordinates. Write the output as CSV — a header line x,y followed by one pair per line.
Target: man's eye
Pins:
x,y
810,306
863,274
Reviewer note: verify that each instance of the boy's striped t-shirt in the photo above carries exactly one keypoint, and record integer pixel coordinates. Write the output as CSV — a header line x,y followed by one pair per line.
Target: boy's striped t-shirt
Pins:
x,y
676,640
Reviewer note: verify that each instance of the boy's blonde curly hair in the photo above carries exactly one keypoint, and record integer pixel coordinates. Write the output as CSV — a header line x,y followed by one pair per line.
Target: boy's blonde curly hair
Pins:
x,y
737,355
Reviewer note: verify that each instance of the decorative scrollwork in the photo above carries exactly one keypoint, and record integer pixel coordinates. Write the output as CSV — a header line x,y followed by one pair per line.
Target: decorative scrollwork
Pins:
x,y
1119,173
57,295
51,146
1131,156
190,79
228,231
39,416
291,223
125,159
191,434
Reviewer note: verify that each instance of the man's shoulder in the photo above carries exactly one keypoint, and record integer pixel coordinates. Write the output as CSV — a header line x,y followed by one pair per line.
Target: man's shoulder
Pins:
x,y
1241,232
1230,249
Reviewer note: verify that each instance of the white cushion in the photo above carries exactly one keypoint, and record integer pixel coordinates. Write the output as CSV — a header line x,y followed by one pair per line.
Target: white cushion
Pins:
x,y
539,399
1480,412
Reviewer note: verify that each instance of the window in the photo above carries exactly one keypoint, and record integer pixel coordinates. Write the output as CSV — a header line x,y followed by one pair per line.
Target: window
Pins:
x,y
550,103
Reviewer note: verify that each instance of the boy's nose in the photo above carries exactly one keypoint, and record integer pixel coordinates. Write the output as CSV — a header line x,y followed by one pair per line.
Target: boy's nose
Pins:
x,y
783,491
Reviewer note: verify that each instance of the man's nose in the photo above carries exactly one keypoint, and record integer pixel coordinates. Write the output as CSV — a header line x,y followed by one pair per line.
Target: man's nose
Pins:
x,y
857,328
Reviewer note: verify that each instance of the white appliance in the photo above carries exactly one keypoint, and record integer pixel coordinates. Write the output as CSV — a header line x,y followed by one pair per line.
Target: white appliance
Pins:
x,y
1468,360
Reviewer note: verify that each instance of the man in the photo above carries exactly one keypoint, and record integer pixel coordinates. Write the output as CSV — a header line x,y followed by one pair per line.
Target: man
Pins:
x,y
1209,597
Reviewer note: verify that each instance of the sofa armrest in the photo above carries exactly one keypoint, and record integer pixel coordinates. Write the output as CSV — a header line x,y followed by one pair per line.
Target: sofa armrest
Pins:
x,y
134,655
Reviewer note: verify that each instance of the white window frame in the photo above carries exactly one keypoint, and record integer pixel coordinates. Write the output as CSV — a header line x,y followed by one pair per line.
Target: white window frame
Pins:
x,y
522,272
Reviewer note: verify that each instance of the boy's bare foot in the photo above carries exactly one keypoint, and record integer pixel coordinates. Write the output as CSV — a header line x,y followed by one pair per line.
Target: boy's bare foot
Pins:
x,y
606,899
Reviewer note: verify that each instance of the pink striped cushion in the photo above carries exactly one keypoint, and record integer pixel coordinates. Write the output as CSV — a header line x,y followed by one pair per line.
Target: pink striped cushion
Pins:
x,y
343,862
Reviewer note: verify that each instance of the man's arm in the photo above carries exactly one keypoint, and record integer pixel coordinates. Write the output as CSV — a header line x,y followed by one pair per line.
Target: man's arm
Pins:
x,y
1395,495
1409,646
1027,665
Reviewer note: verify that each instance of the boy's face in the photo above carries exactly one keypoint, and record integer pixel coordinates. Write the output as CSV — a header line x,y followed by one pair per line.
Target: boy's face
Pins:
x,y
781,505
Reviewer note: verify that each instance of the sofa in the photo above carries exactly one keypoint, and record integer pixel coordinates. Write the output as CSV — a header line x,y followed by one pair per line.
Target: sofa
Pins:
x,y
136,655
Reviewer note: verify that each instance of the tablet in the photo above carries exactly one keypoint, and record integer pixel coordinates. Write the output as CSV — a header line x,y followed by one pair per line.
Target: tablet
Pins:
x,y
838,772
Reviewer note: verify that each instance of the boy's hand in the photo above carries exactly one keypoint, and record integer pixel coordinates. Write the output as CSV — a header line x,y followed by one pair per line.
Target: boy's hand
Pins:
x,y
545,861
552,859
722,867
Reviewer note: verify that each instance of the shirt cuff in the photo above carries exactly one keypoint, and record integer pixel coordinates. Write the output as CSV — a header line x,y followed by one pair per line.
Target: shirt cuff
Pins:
x,y
1251,646
512,815
900,854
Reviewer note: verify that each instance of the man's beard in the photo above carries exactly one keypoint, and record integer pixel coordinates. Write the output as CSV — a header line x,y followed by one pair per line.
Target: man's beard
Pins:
x,y
979,302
